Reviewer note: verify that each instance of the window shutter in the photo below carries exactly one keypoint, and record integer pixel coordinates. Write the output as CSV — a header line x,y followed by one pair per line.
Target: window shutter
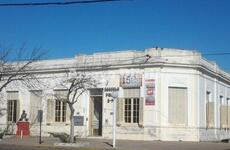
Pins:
x,y
50,110
172,105
18,110
141,112
223,116
211,114
177,105
207,115
182,104
67,113
120,111
35,105
8,109
228,117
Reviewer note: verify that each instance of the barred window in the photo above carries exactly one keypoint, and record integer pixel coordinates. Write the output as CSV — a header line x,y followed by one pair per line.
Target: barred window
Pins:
x,y
60,111
131,110
12,111
12,106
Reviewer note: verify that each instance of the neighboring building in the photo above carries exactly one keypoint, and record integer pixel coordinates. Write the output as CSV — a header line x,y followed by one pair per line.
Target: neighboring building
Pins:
x,y
164,94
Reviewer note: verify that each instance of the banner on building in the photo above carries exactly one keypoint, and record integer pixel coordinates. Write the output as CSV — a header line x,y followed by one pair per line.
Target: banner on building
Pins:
x,y
131,80
149,92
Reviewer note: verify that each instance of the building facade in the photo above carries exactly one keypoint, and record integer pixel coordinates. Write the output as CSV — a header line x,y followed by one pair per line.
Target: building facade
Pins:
x,y
163,94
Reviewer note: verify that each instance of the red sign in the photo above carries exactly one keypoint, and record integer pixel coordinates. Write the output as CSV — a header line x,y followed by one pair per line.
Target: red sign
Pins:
x,y
150,92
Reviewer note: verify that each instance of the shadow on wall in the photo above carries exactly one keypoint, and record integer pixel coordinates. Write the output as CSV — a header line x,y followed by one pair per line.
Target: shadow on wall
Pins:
x,y
5,131
62,136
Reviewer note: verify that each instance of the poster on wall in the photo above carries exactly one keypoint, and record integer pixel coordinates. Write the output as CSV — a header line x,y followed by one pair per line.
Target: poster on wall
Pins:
x,y
131,80
150,92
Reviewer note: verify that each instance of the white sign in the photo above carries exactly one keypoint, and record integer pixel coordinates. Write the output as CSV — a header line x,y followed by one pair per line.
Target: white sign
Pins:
x,y
131,80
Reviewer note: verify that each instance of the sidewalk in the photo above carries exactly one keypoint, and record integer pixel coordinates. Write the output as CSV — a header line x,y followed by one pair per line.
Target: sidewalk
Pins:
x,y
29,141
96,143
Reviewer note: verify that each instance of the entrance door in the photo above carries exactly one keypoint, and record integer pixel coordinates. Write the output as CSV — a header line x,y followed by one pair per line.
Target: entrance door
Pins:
x,y
96,116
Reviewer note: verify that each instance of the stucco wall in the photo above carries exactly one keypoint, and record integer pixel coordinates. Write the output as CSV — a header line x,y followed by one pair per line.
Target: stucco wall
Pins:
x,y
170,71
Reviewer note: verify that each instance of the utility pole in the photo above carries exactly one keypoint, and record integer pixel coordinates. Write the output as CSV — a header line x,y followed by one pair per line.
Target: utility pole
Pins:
x,y
40,116
114,95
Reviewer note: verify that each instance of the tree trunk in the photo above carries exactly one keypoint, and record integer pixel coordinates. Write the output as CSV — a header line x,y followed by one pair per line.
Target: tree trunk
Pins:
x,y
71,140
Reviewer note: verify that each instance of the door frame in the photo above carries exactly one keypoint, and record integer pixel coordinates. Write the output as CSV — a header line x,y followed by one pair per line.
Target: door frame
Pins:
x,y
91,110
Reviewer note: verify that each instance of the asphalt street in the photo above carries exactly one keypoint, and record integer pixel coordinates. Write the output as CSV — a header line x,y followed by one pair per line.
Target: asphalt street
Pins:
x,y
7,147
140,146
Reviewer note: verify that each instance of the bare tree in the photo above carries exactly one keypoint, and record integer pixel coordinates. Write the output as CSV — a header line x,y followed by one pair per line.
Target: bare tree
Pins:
x,y
76,83
17,66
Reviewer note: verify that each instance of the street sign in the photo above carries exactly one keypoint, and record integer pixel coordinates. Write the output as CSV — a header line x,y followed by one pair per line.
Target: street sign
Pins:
x,y
40,115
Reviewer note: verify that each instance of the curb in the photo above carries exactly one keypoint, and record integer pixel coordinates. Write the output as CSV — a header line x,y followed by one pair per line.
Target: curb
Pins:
x,y
57,146
72,145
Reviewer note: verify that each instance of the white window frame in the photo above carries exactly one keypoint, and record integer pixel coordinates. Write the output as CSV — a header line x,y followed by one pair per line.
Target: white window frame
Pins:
x,y
63,112
132,110
10,117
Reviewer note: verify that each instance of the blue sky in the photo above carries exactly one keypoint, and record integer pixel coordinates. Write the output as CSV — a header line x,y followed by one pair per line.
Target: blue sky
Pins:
x,y
65,31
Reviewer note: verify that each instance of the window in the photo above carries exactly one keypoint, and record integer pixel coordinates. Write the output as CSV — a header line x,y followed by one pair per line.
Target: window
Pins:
x,y
228,115
57,107
132,110
132,105
60,111
60,105
12,111
12,106
223,112
177,106
209,111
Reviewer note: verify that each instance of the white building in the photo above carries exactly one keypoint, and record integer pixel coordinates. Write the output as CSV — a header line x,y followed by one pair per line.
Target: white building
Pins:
x,y
164,94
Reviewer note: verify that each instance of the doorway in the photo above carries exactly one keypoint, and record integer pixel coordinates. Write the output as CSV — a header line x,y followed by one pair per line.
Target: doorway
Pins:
x,y
96,116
